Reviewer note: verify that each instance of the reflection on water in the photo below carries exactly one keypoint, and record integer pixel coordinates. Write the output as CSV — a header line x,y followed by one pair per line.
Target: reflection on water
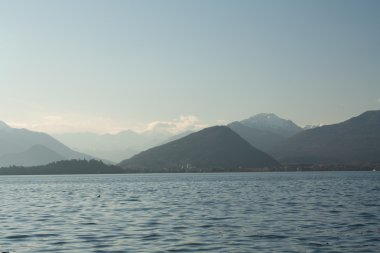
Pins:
x,y
245,212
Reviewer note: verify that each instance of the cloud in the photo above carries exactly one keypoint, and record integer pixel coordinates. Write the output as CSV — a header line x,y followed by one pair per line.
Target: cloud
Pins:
x,y
57,123
69,123
175,126
378,100
221,122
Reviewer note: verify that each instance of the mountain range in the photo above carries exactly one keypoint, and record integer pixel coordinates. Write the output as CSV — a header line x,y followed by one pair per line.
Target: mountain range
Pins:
x,y
237,146
115,147
22,147
355,141
263,131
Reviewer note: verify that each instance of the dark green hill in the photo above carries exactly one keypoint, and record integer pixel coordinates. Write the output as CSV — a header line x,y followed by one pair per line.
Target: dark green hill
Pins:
x,y
356,140
64,167
212,149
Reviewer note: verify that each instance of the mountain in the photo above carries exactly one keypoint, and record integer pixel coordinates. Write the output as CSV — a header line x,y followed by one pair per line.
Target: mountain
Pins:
x,y
35,155
265,131
272,123
22,144
115,147
211,149
356,140
261,139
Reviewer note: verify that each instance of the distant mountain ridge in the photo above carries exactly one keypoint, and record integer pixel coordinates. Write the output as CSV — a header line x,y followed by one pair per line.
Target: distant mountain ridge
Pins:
x,y
268,131
114,147
211,149
35,155
23,147
265,130
356,140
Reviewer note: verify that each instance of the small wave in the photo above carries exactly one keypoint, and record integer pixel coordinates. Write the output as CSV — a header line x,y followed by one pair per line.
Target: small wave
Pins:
x,y
270,237
45,235
17,237
88,223
131,199
367,215
152,236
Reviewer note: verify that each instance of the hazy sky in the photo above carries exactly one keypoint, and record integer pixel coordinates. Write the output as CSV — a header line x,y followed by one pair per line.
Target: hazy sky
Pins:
x,y
109,65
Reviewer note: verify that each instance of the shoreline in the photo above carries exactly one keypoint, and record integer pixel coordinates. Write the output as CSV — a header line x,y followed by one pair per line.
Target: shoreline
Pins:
x,y
292,168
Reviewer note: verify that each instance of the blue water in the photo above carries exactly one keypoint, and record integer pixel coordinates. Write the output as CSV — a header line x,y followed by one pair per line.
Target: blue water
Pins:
x,y
242,212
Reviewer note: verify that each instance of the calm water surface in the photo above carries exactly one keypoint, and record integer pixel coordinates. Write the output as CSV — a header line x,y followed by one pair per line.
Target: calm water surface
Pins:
x,y
245,212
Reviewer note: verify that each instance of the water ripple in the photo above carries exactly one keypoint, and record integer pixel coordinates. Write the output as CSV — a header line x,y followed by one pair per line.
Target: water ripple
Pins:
x,y
244,212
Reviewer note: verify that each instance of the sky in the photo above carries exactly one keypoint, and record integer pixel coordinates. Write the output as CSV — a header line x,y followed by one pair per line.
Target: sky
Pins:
x,y
107,66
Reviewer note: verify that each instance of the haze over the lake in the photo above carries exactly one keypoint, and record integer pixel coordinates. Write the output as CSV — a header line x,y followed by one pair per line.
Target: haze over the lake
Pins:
x,y
107,66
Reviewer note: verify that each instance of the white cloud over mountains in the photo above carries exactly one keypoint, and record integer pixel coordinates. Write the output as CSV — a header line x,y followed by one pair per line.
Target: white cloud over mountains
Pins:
x,y
75,123
175,126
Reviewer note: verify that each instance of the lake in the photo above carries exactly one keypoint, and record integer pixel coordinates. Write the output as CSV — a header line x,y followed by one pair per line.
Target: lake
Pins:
x,y
226,212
